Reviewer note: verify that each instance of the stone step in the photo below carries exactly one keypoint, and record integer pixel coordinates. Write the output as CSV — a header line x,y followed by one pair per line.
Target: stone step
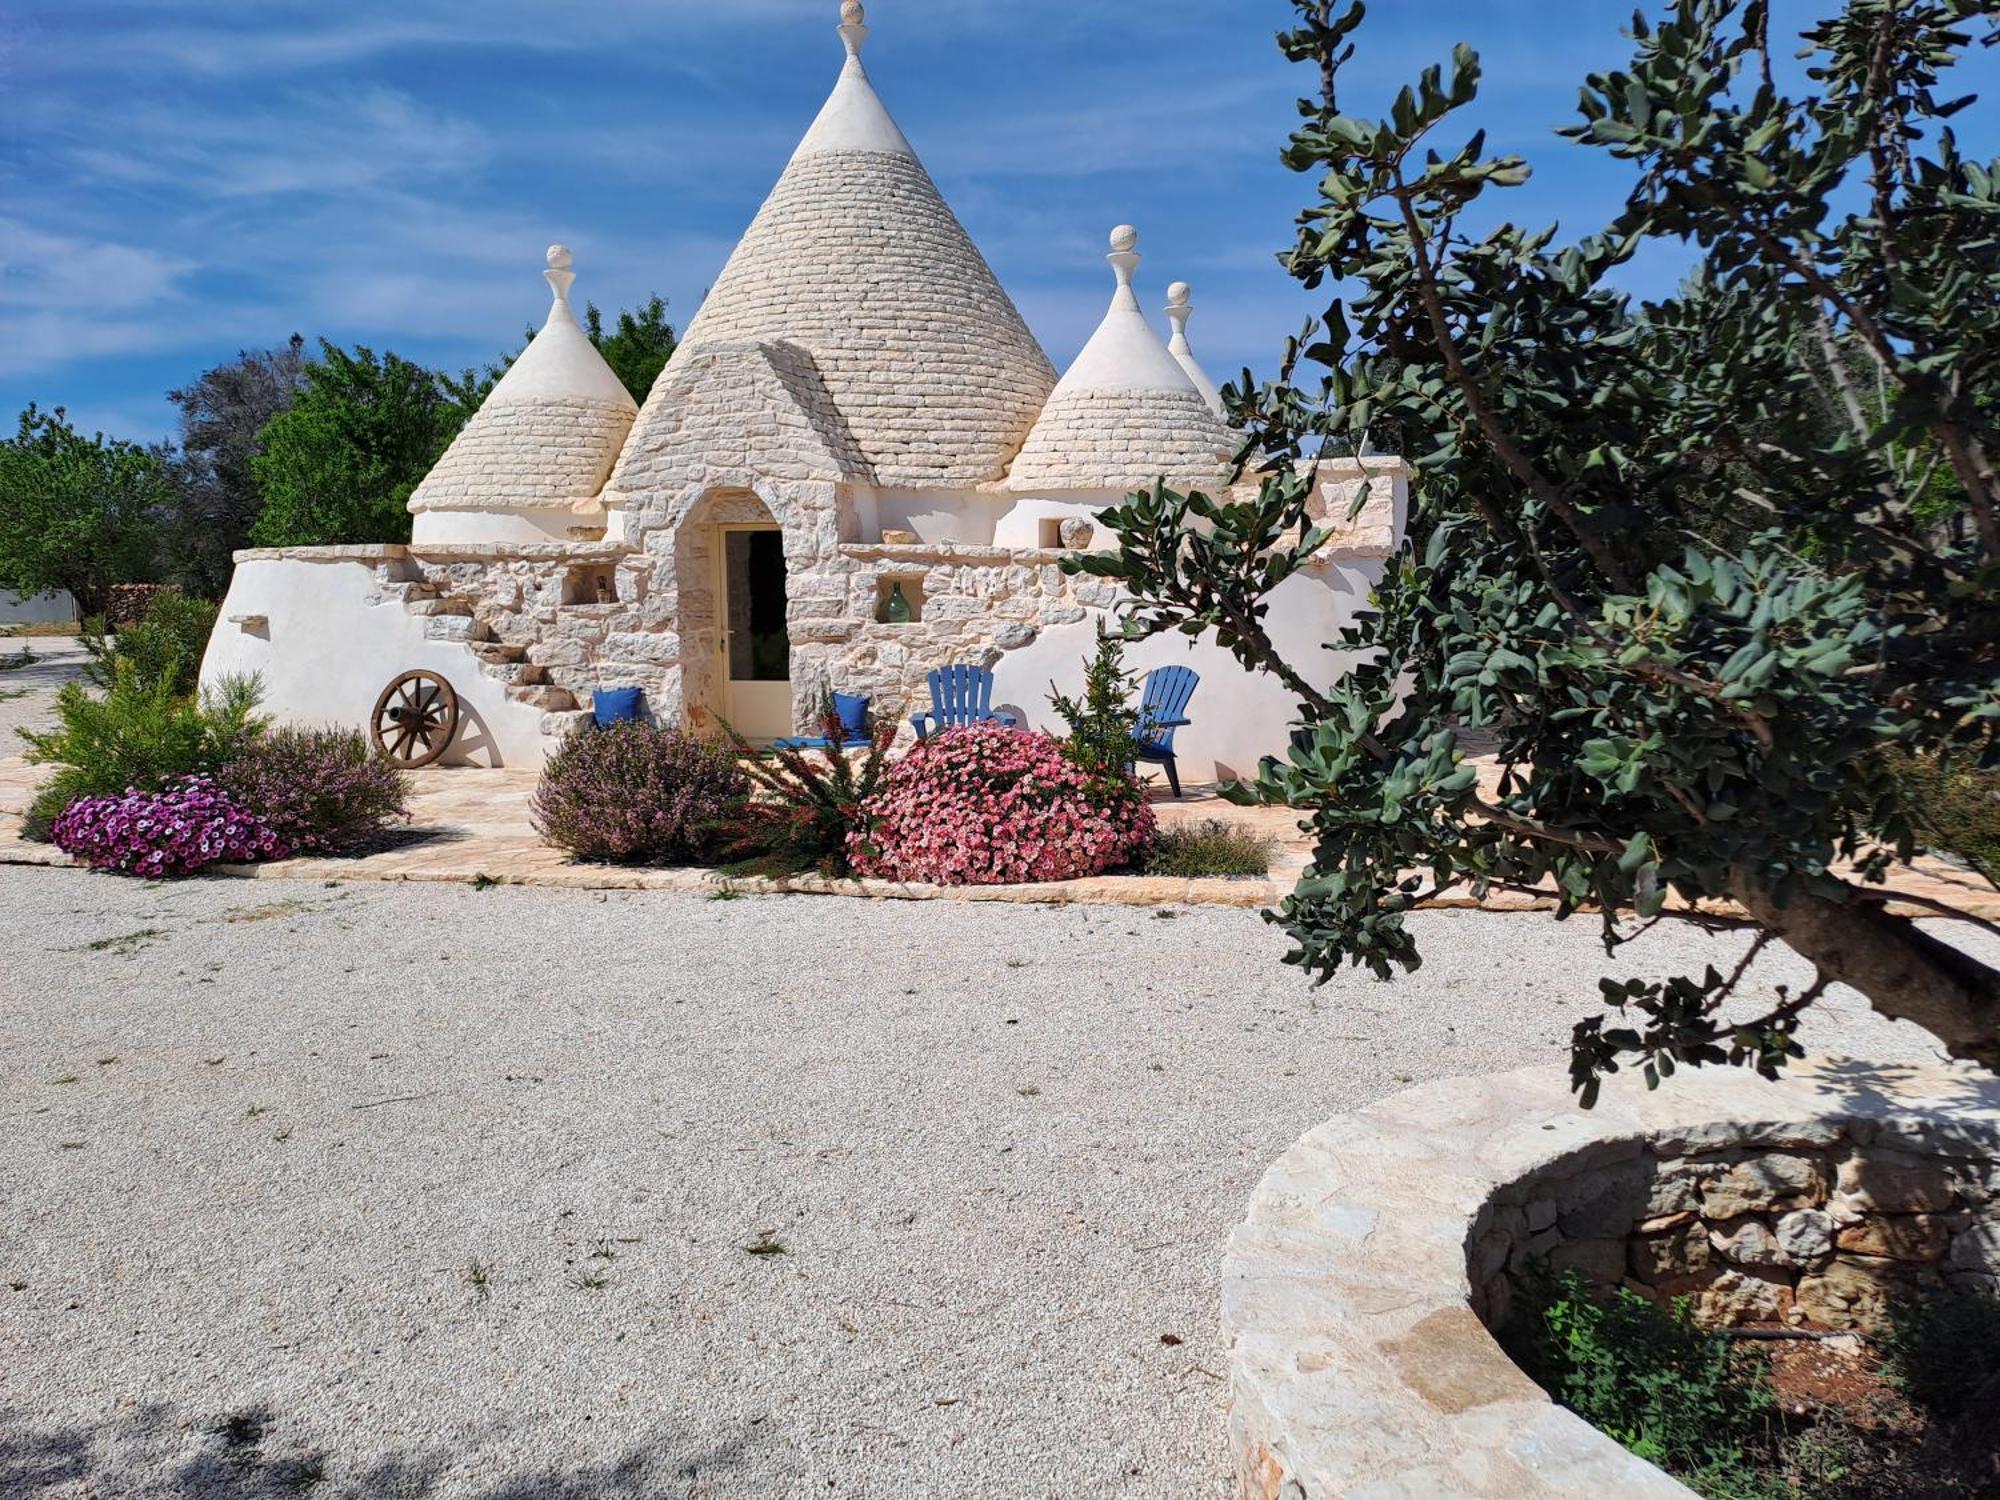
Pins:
x,y
561,724
548,698
438,608
408,593
516,673
497,653
462,628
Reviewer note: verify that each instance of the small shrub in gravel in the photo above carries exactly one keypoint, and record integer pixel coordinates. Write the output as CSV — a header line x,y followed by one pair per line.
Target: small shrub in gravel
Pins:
x,y
177,831
325,791
634,794
1210,850
165,644
989,805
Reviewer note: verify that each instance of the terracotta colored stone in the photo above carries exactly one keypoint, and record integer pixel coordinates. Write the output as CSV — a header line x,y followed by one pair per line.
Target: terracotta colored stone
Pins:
x,y
1882,1181
1919,1237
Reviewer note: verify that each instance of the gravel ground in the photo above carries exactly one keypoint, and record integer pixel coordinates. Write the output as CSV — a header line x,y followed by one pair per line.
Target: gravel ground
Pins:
x,y
28,693
419,1190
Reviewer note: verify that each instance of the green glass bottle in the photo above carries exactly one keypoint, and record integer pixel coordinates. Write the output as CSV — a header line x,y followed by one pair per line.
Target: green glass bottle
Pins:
x,y
895,609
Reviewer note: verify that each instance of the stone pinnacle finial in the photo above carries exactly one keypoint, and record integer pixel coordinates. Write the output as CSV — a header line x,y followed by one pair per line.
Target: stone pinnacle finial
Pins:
x,y
1124,256
853,27
559,276
1180,307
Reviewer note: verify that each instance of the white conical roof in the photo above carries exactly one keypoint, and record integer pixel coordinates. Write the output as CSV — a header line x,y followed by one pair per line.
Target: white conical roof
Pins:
x,y
1127,414
549,431
856,259
1180,307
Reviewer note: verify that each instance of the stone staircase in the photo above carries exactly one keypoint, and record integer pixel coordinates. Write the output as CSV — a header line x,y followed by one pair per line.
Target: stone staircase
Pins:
x,y
449,619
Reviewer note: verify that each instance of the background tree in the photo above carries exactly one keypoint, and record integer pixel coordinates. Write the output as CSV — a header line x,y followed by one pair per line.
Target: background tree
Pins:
x,y
77,513
217,498
638,348
1682,719
338,466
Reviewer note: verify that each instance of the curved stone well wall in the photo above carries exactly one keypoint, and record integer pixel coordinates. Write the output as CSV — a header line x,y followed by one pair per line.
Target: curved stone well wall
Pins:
x,y
1356,1294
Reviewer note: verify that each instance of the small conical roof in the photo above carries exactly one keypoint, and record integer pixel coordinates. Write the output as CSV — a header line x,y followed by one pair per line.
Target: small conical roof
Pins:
x,y
856,259
1126,414
548,432
1180,307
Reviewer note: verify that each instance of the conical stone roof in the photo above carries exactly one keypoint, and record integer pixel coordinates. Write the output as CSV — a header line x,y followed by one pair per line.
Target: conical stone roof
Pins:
x,y
856,259
550,430
1127,414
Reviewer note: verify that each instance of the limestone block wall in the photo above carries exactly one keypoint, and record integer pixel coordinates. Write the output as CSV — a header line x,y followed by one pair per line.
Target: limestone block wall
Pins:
x,y
527,454
1821,1224
1124,440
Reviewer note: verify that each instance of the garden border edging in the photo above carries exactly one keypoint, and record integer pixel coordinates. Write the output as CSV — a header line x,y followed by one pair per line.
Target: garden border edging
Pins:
x,y
1358,1366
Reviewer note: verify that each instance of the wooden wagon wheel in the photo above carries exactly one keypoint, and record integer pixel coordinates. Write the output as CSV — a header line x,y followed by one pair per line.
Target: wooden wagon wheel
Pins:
x,y
415,719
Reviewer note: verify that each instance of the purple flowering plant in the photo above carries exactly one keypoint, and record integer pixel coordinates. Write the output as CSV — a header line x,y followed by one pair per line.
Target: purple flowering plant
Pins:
x,y
180,830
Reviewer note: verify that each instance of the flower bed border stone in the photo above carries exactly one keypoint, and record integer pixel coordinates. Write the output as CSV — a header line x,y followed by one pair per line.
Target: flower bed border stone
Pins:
x,y
1354,1292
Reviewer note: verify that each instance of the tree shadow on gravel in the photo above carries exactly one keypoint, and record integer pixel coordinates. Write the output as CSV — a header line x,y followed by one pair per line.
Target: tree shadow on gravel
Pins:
x,y
151,1453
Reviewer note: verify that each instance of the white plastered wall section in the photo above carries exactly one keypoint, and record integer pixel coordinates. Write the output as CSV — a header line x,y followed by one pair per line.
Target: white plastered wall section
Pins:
x,y
325,642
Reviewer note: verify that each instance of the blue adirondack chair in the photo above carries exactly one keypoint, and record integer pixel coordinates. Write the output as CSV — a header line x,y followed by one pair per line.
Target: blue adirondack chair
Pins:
x,y
1163,702
960,695
853,712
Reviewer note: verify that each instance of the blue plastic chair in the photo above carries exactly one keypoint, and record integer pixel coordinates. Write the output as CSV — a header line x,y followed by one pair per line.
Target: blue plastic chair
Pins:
x,y
853,712
960,696
1163,702
617,705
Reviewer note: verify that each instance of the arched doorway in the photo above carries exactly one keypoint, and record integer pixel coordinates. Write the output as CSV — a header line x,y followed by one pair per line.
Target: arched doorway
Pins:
x,y
736,647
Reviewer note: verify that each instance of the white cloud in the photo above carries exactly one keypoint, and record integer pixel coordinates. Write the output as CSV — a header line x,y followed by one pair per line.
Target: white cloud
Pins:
x,y
43,270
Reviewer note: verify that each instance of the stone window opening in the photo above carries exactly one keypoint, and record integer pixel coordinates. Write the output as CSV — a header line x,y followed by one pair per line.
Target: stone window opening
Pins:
x,y
590,585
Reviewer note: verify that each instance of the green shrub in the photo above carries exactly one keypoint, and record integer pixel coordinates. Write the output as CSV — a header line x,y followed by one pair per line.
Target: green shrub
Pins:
x,y
320,790
1670,1391
811,801
1942,1351
1956,811
138,734
166,644
1208,850
1104,722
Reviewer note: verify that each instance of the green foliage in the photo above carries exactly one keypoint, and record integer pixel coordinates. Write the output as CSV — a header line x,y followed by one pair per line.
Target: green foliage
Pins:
x,y
165,645
1673,1393
1209,850
139,733
216,500
1942,1351
1954,808
1682,708
1104,722
340,464
807,803
638,348
76,513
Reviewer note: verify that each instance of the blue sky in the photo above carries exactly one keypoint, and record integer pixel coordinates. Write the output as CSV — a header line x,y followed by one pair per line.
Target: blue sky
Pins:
x,y
181,180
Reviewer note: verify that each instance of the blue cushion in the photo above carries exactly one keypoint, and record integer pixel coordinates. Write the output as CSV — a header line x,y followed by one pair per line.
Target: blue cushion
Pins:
x,y
853,713
616,705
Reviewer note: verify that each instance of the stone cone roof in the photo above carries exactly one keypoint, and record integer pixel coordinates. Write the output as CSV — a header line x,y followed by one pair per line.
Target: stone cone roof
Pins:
x,y
1127,414
550,431
856,259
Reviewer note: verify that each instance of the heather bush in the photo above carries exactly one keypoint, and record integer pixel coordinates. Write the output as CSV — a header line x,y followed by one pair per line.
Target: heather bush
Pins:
x,y
186,827
989,805
320,790
1211,849
139,734
636,794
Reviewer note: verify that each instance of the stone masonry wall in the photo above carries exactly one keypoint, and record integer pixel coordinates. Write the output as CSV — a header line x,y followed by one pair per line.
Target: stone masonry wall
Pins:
x,y
1820,1227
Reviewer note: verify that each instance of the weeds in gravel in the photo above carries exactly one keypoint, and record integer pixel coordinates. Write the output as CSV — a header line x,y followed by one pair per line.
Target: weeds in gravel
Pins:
x,y
8,695
586,1280
765,1245
478,1276
125,946
13,661
725,893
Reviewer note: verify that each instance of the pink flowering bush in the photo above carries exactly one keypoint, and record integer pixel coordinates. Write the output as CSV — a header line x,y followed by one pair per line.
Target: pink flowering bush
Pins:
x,y
185,828
989,805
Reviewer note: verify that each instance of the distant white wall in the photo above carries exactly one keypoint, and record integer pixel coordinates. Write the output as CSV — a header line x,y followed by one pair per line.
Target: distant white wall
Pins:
x,y
325,644
56,608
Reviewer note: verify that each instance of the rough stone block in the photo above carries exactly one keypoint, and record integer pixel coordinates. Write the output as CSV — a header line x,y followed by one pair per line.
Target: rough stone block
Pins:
x,y
1883,1181
1665,1257
1853,1291
1918,1237
1771,1182
1806,1235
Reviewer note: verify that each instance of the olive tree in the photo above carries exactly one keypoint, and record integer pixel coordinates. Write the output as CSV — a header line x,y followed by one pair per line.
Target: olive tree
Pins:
x,y
1692,718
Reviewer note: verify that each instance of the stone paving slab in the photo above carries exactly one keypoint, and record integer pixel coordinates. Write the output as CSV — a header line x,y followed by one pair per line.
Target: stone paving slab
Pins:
x,y
470,825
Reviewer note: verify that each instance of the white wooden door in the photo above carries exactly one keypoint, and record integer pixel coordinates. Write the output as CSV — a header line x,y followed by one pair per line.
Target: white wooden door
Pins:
x,y
755,646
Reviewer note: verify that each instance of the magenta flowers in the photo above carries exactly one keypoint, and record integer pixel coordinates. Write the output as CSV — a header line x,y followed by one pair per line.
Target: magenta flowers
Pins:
x,y
185,828
989,805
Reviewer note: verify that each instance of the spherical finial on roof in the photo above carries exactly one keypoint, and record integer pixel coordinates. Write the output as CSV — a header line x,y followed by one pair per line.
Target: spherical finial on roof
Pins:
x,y
853,13
853,27
1124,239
1180,294
560,258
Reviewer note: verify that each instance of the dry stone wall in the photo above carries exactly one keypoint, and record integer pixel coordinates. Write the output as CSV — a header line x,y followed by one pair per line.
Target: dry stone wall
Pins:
x,y
548,452
1821,1226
